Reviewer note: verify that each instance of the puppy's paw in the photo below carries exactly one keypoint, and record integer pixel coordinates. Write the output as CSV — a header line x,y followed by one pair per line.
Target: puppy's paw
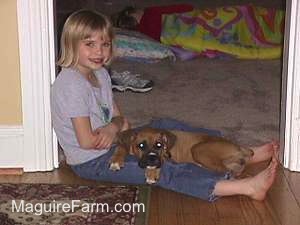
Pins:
x,y
152,175
115,166
151,181
236,167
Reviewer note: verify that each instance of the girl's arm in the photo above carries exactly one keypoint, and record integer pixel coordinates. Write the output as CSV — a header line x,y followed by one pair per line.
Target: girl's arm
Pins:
x,y
108,133
86,138
102,137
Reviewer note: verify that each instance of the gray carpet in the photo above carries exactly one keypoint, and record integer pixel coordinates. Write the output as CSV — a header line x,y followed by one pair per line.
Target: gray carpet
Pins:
x,y
239,97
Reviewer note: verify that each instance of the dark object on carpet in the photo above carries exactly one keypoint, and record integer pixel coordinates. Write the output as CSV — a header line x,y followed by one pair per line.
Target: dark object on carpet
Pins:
x,y
72,204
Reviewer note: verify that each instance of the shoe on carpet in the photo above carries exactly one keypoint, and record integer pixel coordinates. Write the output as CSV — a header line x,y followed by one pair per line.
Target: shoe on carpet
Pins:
x,y
122,81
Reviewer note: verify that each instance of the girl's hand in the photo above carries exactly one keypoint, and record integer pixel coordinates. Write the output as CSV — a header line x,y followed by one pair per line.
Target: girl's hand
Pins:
x,y
106,136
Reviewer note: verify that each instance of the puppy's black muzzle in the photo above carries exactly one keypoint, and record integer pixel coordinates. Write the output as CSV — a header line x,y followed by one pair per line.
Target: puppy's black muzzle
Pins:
x,y
150,159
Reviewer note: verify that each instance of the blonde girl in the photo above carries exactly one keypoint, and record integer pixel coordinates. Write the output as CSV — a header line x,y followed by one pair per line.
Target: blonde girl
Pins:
x,y
86,120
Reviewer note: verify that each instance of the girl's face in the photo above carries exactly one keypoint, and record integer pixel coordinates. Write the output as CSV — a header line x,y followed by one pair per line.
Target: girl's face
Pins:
x,y
93,53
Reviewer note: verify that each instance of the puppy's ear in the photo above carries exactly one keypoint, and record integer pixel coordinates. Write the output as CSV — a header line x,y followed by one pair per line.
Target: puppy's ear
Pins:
x,y
168,138
126,139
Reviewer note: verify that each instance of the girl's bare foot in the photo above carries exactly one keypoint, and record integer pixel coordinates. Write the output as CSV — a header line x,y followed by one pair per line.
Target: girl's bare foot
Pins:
x,y
261,183
264,152
255,187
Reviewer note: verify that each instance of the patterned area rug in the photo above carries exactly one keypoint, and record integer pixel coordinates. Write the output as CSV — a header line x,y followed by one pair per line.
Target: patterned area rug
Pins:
x,y
62,204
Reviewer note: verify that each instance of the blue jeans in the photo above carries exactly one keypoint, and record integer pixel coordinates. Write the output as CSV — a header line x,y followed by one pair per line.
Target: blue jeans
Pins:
x,y
185,178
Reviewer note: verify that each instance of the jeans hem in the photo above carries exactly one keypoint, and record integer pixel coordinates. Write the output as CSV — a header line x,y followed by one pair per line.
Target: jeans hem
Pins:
x,y
212,197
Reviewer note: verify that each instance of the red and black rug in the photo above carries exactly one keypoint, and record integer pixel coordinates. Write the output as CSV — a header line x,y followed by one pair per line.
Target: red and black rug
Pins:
x,y
62,204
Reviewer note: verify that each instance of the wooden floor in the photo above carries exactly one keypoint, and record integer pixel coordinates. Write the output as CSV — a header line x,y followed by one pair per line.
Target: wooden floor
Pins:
x,y
282,205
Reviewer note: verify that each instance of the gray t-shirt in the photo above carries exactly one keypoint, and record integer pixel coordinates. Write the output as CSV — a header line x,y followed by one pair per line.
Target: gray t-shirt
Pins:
x,y
73,96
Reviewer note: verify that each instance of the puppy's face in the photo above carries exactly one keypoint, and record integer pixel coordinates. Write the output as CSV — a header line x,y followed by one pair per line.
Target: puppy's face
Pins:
x,y
151,146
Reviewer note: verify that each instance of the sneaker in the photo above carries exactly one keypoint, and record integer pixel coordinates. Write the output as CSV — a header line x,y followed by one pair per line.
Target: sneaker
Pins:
x,y
126,81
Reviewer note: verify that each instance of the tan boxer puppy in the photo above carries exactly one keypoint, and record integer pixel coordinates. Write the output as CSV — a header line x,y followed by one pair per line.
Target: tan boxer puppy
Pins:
x,y
152,146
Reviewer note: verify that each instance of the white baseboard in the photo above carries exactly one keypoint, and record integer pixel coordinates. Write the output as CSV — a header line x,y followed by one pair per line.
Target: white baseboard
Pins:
x,y
11,147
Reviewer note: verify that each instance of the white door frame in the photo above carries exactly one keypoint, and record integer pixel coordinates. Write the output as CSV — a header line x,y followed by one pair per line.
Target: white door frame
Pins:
x,y
37,57
37,68
290,117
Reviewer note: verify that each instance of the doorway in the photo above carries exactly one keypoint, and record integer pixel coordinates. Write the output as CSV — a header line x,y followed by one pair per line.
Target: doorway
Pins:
x,y
45,7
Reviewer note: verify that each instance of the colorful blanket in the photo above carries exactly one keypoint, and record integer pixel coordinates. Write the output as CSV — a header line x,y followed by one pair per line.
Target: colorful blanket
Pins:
x,y
241,31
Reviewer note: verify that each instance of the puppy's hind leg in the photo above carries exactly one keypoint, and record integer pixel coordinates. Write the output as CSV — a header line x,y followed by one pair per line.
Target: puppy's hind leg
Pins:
x,y
235,165
248,153
205,155
222,156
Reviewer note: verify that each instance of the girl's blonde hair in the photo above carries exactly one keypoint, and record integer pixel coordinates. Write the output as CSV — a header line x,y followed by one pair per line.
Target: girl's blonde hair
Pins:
x,y
79,26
